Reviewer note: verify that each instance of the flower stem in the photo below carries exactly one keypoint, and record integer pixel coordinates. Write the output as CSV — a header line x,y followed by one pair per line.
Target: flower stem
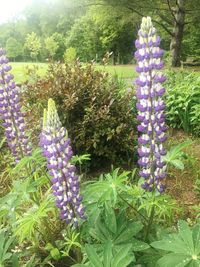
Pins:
x,y
150,220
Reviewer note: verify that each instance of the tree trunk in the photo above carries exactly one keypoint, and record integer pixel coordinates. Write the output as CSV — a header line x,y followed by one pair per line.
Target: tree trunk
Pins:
x,y
175,45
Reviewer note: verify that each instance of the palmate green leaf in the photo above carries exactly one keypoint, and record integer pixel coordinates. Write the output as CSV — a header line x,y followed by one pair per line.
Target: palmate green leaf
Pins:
x,y
185,247
80,158
123,257
26,226
174,155
175,260
36,158
100,232
92,256
172,243
185,234
107,188
130,230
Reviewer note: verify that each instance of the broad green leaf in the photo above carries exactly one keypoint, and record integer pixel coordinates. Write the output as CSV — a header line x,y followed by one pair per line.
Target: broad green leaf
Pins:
x,y
138,245
172,243
92,256
110,218
196,238
121,254
107,255
186,234
131,230
174,260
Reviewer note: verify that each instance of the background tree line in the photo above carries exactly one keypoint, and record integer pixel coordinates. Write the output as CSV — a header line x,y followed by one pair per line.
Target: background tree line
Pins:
x,y
89,28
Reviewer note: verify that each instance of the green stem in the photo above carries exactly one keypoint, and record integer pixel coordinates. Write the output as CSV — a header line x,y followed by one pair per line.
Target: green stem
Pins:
x,y
132,207
150,220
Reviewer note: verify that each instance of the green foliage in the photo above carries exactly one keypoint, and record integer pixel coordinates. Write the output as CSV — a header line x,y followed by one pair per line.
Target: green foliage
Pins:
x,y
183,101
5,246
107,188
28,225
98,118
175,155
84,37
113,228
165,206
51,46
33,44
70,55
62,248
183,247
13,48
120,259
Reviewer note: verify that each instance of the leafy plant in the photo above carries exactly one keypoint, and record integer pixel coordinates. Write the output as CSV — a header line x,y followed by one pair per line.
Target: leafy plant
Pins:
x,y
175,155
99,119
183,247
116,229
183,100
108,259
106,188
32,221
5,246
141,203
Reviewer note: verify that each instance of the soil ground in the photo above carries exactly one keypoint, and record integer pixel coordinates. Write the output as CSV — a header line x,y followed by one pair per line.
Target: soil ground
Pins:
x,y
181,184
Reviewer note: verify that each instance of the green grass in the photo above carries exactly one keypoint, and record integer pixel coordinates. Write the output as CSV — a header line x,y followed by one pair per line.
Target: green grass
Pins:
x,y
20,70
123,71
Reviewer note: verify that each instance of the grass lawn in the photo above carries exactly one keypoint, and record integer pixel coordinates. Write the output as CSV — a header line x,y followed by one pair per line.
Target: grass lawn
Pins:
x,y
20,70
122,71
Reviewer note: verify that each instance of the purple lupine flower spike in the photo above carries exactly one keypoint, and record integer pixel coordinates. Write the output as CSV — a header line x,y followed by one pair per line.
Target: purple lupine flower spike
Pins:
x,y
150,107
10,111
65,183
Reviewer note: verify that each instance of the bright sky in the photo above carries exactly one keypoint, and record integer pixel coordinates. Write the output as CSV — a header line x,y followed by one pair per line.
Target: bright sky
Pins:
x,y
12,8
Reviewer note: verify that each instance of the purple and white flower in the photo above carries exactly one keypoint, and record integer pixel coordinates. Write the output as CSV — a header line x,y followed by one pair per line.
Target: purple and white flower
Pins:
x,y
11,113
65,183
150,106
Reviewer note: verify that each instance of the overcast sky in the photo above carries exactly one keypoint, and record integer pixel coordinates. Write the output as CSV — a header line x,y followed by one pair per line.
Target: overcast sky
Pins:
x,y
12,8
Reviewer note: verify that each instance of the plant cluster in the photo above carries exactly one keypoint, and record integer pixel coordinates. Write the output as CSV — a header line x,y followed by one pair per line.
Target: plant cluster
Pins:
x,y
99,118
120,218
183,101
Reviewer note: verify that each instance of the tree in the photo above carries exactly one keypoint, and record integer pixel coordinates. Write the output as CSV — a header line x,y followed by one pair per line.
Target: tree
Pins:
x,y
85,38
60,39
13,48
51,46
170,15
70,55
33,44
116,32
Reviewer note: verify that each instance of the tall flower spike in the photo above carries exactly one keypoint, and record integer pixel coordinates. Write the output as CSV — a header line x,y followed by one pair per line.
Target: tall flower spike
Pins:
x,y
150,107
65,183
10,111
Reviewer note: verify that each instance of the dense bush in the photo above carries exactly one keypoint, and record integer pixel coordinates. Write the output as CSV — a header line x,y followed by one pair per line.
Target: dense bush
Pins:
x,y
91,106
183,101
